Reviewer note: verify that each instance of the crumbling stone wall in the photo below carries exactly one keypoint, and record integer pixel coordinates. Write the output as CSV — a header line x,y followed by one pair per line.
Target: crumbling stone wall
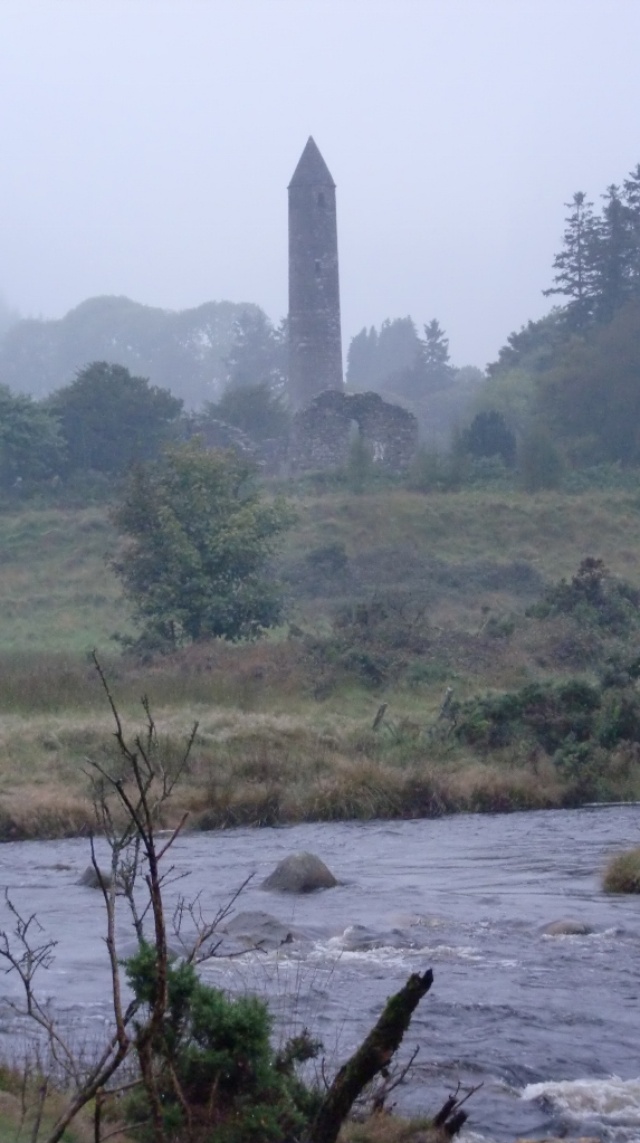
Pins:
x,y
322,433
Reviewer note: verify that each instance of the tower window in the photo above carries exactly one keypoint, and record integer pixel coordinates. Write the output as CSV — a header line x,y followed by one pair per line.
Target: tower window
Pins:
x,y
321,200
318,266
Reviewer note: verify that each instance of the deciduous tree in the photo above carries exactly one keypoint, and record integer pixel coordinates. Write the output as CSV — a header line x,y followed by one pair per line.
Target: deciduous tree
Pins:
x,y
256,409
199,535
31,444
110,419
258,353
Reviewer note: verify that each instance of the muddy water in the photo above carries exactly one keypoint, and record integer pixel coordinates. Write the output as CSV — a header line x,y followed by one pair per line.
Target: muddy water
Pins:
x,y
549,1025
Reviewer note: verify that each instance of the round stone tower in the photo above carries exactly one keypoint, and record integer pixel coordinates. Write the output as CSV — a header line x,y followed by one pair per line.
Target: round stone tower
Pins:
x,y
315,342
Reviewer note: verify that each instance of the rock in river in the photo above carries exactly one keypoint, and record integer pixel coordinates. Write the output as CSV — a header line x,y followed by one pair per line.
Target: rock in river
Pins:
x,y
92,878
300,873
567,928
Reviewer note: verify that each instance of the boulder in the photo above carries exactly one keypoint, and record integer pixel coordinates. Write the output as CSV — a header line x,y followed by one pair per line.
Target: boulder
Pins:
x,y
300,873
566,928
259,930
95,879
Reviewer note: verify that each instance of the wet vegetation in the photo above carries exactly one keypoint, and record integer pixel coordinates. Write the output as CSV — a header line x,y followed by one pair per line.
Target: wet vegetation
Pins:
x,y
463,638
504,657
622,874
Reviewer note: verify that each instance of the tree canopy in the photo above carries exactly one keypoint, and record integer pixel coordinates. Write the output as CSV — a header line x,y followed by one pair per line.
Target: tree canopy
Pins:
x,y
572,378
597,270
590,397
375,357
198,538
255,409
32,447
182,350
258,354
109,418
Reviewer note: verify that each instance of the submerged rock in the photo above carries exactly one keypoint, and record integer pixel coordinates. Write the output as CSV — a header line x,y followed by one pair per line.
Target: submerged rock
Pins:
x,y
95,879
300,873
259,929
567,928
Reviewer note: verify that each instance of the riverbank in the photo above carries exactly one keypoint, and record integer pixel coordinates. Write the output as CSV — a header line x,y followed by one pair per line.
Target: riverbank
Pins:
x,y
266,753
469,896
417,674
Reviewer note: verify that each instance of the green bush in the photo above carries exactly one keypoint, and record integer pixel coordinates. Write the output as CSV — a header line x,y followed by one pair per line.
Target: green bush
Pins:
x,y
594,598
215,1064
619,717
543,713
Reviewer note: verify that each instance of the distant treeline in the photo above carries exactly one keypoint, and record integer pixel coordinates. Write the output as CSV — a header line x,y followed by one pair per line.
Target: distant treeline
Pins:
x,y
564,393
195,353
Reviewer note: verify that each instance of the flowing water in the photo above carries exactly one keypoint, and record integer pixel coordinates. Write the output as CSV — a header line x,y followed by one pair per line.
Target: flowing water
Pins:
x,y
549,1025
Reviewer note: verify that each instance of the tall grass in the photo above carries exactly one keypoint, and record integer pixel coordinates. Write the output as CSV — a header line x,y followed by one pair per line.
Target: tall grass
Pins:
x,y
58,592
622,874
286,723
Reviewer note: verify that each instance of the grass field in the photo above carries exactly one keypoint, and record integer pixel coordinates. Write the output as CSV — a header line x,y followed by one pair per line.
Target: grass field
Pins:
x,y
286,724
57,592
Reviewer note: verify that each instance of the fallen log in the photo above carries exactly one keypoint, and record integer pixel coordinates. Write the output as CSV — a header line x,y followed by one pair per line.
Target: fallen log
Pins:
x,y
374,1054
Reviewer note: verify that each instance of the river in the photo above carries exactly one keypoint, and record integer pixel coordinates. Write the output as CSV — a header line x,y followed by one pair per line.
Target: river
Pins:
x,y
549,1025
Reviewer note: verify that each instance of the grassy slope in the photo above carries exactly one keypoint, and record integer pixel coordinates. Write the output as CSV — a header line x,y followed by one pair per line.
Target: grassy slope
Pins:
x,y
273,743
57,592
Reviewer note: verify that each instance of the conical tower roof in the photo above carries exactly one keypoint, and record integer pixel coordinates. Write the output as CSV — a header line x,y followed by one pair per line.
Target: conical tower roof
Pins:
x,y
311,169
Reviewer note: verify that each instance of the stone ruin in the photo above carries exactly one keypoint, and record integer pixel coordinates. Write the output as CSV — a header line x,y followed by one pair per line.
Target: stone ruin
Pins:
x,y
322,435
323,432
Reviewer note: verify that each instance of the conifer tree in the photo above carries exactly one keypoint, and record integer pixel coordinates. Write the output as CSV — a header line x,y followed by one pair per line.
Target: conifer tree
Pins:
x,y
631,195
361,359
434,357
398,346
575,273
612,255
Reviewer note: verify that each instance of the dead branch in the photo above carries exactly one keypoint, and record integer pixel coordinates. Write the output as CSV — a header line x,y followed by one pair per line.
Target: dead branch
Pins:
x,y
374,1054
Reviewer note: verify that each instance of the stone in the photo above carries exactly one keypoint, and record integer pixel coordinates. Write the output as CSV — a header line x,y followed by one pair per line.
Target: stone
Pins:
x,y
91,879
322,433
300,873
567,928
259,929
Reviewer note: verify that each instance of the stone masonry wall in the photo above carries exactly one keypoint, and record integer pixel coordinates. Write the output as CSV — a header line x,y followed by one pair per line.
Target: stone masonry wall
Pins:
x,y
322,432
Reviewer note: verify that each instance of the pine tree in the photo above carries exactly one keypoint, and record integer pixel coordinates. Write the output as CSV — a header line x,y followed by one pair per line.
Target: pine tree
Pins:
x,y
398,346
361,359
612,255
631,196
434,357
575,273
429,370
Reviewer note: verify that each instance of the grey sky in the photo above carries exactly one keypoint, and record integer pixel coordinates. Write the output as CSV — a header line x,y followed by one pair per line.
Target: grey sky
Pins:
x,y
147,146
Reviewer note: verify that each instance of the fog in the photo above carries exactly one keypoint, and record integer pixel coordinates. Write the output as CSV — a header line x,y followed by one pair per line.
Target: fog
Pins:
x,y
147,146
